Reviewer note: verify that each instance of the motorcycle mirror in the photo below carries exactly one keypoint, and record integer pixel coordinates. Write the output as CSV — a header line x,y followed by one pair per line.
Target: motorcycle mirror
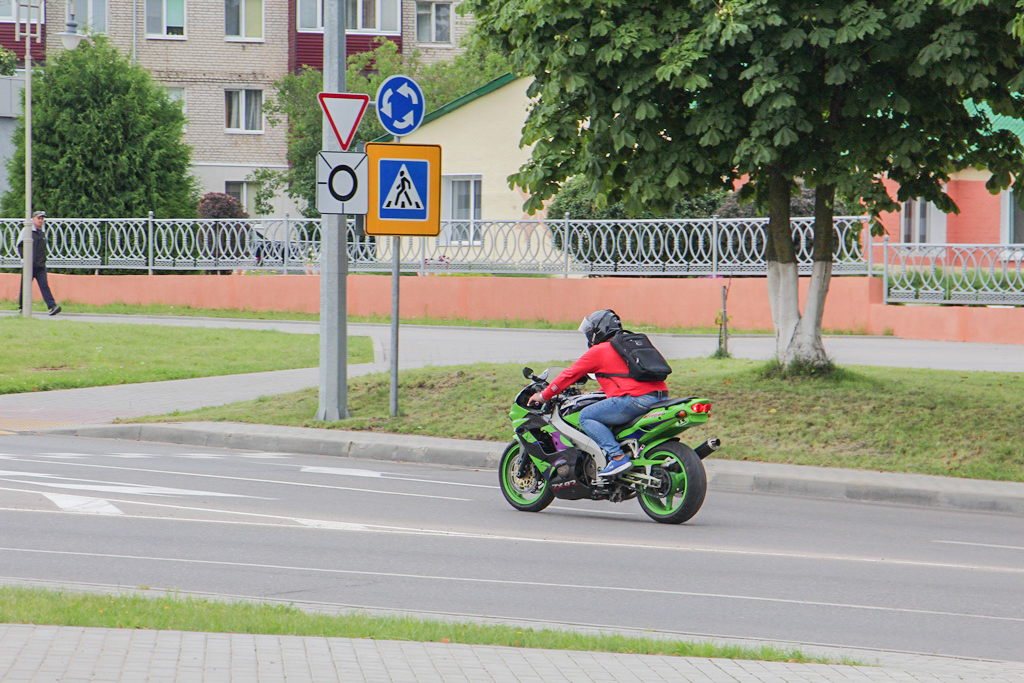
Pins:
x,y
527,373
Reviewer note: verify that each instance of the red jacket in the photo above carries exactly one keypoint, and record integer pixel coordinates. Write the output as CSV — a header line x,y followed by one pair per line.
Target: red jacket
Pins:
x,y
602,358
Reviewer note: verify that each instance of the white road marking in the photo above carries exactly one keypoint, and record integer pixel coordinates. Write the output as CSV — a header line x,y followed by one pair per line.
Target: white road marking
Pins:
x,y
342,470
386,475
52,481
983,545
249,479
92,506
589,590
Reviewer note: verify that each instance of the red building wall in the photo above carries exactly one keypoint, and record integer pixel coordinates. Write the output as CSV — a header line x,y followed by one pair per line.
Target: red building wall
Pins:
x,y
979,217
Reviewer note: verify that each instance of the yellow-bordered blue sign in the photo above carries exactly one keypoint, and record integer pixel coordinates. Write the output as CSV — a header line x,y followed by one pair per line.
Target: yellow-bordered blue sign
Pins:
x,y
405,189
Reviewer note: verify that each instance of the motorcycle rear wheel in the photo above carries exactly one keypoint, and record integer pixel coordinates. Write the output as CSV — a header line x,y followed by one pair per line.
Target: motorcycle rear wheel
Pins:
x,y
684,484
530,492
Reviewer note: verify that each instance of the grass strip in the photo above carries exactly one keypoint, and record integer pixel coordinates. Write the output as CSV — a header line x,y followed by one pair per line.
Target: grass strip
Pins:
x,y
941,422
43,355
29,605
537,324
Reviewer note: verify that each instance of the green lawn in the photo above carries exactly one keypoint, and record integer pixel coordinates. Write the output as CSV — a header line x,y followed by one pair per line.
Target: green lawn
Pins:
x,y
22,605
963,424
44,354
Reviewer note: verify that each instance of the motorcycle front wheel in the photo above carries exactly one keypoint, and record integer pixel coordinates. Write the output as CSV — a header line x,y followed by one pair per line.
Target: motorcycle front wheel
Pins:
x,y
528,492
682,484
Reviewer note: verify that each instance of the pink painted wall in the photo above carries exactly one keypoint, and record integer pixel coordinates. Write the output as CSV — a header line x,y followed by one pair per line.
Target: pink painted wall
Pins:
x,y
854,303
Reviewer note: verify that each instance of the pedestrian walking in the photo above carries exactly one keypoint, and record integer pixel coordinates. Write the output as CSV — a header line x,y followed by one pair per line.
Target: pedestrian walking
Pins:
x,y
39,241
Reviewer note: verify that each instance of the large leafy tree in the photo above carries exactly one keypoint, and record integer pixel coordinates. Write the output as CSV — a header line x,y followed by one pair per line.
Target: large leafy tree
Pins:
x,y
106,141
653,101
441,83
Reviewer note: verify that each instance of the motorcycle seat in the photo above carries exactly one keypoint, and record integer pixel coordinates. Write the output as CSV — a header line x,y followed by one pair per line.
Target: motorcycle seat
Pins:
x,y
660,404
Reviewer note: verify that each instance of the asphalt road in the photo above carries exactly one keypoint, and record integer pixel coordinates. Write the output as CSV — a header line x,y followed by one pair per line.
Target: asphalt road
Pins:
x,y
442,539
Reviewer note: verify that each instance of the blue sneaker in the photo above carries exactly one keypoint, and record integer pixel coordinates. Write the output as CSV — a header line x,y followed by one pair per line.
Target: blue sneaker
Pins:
x,y
616,466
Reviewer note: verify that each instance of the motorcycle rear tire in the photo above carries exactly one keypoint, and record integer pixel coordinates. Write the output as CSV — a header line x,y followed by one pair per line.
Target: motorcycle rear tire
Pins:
x,y
685,481
529,493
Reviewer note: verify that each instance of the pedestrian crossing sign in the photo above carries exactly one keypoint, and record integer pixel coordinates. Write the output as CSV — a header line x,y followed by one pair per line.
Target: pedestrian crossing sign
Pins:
x,y
405,189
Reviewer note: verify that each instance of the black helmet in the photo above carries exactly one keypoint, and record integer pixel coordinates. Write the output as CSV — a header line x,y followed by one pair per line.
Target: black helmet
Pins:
x,y
600,326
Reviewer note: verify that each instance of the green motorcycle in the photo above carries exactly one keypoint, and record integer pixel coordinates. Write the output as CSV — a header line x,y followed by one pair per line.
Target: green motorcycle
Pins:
x,y
551,457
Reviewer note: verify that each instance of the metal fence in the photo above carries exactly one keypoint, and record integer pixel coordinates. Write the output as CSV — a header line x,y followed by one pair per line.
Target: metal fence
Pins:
x,y
554,247
980,274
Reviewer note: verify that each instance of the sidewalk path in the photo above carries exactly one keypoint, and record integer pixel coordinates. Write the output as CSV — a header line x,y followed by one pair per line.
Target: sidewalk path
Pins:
x,y
45,653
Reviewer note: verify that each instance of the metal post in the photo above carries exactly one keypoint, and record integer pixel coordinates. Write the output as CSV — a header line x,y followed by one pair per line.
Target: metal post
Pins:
x,y
396,258
287,243
725,326
333,254
714,246
27,237
565,244
885,269
149,229
871,250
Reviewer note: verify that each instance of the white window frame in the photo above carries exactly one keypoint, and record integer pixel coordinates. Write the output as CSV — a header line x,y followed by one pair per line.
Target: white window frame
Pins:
x,y
919,216
88,22
357,5
243,98
1006,214
247,192
433,22
242,14
8,18
463,231
163,19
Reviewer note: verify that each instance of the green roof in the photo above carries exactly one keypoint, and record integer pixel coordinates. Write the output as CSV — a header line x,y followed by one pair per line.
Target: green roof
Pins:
x,y
484,89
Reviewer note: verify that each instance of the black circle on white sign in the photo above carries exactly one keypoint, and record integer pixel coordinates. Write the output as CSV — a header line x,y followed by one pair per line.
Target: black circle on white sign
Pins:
x,y
352,183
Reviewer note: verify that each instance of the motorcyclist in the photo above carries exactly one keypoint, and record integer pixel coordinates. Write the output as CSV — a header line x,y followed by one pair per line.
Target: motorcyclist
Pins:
x,y
626,400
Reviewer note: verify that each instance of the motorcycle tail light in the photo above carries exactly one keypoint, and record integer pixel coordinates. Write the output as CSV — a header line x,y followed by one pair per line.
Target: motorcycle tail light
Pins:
x,y
704,408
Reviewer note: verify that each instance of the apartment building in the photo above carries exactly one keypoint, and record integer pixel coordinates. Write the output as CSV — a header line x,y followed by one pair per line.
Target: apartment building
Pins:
x,y
221,60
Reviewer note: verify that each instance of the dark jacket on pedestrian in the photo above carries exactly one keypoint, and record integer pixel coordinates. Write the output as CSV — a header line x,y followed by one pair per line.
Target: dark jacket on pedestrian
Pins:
x,y
38,249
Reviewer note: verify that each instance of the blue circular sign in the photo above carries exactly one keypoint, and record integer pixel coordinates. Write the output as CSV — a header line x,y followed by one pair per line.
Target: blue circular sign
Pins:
x,y
400,105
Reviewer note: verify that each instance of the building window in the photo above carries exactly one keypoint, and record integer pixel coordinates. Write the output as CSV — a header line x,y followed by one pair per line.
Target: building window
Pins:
x,y
914,221
369,16
165,18
243,19
1015,231
7,12
463,210
244,111
244,192
90,15
922,222
177,94
433,22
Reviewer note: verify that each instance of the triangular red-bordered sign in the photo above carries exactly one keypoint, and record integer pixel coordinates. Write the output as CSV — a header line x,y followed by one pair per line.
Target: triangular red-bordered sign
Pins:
x,y
344,111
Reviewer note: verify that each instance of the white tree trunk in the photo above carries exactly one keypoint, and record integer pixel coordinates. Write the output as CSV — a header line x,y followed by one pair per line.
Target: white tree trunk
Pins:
x,y
805,345
784,296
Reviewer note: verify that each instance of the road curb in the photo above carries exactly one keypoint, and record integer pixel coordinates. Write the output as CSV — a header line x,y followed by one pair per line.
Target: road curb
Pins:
x,y
918,490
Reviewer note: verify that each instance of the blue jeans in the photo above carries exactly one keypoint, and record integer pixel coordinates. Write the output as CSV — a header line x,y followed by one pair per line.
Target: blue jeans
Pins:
x,y
617,410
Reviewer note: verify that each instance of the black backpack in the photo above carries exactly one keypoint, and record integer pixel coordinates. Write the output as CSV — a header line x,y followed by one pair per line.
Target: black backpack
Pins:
x,y
645,363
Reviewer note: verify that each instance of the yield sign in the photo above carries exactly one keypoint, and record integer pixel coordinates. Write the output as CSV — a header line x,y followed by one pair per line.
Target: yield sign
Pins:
x,y
344,110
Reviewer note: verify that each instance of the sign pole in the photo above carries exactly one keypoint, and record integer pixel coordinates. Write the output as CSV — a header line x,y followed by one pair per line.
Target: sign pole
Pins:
x,y
396,261
396,247
333,404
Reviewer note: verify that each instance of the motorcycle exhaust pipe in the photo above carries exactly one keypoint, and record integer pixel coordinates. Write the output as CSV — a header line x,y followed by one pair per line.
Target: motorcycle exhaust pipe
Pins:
x,y
708,447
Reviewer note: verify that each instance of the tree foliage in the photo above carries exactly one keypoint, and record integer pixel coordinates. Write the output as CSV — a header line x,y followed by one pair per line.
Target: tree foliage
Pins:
x,y
653,101
106,141
441,83
220,205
